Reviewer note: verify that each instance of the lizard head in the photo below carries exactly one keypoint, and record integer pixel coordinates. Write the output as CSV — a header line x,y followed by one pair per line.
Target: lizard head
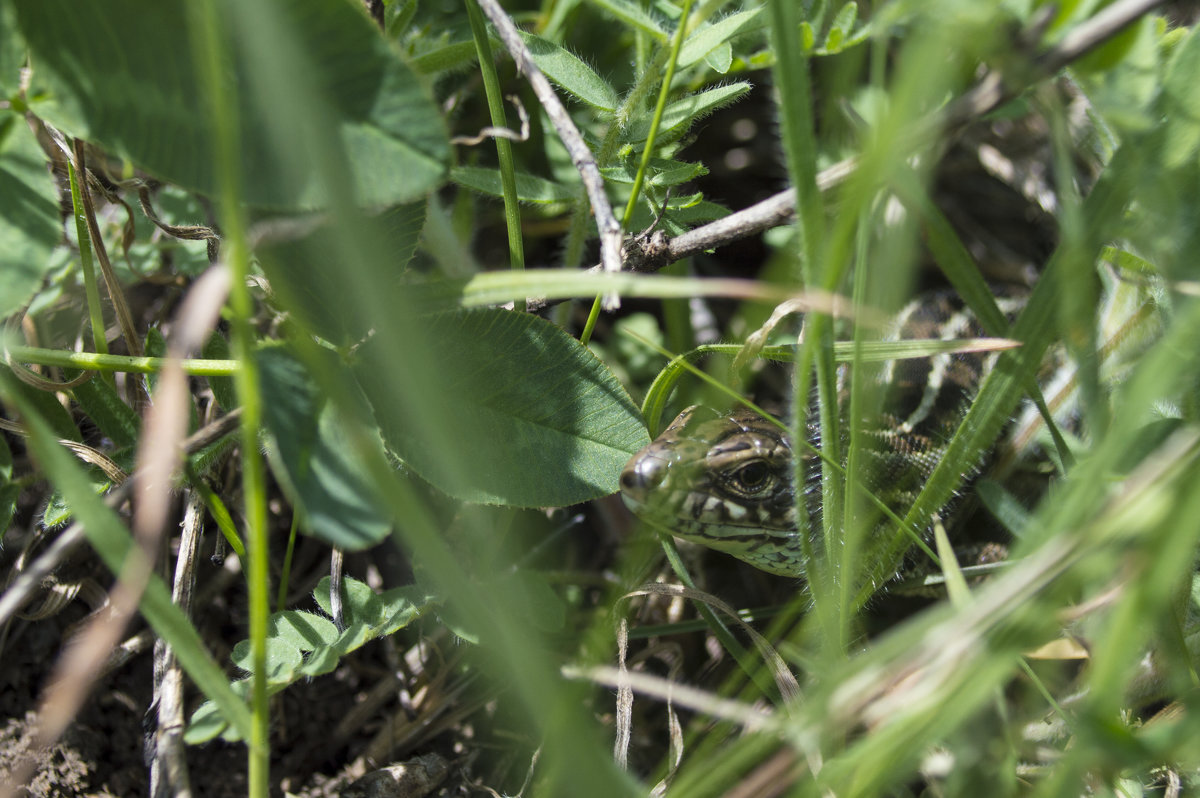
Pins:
x,y
724,482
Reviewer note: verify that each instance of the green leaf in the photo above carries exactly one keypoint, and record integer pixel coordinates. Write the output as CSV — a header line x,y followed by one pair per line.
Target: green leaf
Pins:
x,y
306,631
530,188
115,419
155,345
217,348
720,59
312,456
571,73
840,29
704,41
397,15
309,273
634,16
1181,99
458,55
29,223
283,659
528,416
682,114
360,604
808,38
205,724
318,69
661,174
290,633
12,52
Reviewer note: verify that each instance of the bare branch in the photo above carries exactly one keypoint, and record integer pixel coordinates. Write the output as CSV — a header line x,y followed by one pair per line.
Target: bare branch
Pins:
x,y
652,253
581,156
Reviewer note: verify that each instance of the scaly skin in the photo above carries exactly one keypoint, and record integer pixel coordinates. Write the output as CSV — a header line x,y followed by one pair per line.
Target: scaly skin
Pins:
x,y
727,481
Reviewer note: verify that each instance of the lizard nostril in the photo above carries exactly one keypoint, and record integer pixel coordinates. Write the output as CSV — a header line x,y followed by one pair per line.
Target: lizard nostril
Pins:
x,y
642,475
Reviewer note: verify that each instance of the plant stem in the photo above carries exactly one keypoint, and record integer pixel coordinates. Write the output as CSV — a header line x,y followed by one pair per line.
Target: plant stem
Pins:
x,y
89,361
220,94
508,178
648,149
90,287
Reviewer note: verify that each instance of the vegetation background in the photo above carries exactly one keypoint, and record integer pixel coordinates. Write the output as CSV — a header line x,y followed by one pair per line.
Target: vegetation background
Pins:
x,y
254,260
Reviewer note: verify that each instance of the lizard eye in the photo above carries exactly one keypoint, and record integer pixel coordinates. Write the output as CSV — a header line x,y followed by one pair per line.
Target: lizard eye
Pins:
x,y
751,478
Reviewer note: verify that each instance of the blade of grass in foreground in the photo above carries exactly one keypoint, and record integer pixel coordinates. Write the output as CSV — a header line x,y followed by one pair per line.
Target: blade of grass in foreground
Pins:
x,y
113,542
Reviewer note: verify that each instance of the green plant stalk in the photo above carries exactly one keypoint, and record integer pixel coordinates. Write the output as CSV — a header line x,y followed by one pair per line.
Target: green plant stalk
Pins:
x,y
220,514
508,172
581,217
660,106
799,143
88,361
285,575
221,104
853,539
90,286
664,91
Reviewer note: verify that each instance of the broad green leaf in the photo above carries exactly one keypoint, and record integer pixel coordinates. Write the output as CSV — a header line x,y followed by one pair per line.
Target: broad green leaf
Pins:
x,y
681,114
379,611
291,633
705,40
304,630
535,601
312,456
360,604
283,658
141,98
530,188
516,413
29,222
571,73
459,55
12,52
309,273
